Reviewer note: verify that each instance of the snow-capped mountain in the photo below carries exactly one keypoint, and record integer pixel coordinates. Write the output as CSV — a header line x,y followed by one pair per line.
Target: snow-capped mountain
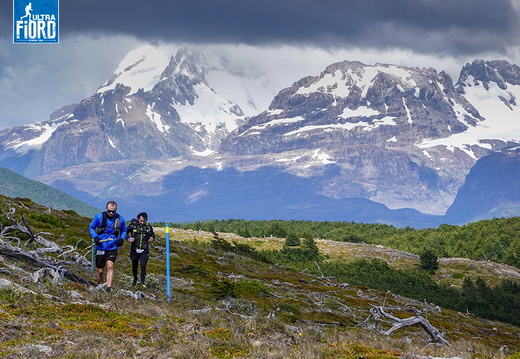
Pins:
x,y
376,125
377,105
402,137
180,78
492,87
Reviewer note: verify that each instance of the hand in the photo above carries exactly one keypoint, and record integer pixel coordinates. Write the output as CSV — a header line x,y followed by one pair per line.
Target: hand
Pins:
x,y
132,239
151,239
120,242
97,241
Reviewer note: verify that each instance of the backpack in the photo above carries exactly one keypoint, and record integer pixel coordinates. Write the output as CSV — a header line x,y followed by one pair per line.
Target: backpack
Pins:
x,y
117,224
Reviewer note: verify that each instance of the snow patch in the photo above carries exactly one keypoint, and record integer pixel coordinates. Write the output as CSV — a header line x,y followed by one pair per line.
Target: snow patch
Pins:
x,y
408,115
361,111
156,119
47,129
205,153
210,109
330,83
111,143
324,158
501,121
337,85
294,159
277,122
274,112
387,120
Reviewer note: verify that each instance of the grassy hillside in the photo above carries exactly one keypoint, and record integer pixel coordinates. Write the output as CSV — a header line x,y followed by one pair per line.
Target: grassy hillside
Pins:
x,y
15,185
231,297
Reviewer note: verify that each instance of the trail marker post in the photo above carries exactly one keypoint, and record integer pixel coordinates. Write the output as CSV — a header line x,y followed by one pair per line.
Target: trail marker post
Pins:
x,y
167,232
93,256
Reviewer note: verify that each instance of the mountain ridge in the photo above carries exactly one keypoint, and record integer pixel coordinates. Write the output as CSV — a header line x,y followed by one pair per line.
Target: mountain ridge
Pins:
x,y
15,185
403,137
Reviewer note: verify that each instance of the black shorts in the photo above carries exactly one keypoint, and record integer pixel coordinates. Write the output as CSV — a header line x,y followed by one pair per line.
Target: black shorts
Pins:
x,y
143,257
101,259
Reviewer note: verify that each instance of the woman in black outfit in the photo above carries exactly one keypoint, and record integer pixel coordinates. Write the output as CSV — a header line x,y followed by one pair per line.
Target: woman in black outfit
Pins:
x,y
140,234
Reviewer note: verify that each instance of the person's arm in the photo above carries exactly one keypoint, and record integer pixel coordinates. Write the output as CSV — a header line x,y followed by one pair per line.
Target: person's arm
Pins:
x,y
93,225
123,228
96,222
122,232
152,234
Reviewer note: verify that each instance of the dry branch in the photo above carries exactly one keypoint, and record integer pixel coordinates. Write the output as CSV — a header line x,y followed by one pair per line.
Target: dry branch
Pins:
x,y
50,246
19,254
377,312
48,265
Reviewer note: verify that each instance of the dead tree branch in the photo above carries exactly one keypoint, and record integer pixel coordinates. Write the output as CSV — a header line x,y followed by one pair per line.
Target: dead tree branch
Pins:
x,y
49,246
70,249
18,253
28,230
377,312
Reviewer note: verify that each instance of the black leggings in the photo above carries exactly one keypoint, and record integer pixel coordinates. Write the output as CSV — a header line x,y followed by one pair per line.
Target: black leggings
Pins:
x,y
136,258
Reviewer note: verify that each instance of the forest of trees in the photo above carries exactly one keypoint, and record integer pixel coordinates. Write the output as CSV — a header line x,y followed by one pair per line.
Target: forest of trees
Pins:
x,y
497,240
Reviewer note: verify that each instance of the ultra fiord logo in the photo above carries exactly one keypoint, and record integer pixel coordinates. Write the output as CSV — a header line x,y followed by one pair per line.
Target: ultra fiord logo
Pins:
x,y
35,21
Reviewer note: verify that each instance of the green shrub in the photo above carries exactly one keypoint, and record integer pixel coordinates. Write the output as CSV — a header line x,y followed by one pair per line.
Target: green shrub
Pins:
x,y
292,240
47,218
429,261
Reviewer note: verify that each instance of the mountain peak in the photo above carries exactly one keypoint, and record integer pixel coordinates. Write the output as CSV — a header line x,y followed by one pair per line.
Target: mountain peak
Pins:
x,y
140,69
483,72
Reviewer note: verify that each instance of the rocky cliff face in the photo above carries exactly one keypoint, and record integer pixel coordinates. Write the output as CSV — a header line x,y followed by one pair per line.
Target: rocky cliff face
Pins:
x,y
499,72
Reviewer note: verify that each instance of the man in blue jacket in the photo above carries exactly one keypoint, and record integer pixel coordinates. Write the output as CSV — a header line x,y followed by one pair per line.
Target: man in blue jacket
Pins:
x,y
108,231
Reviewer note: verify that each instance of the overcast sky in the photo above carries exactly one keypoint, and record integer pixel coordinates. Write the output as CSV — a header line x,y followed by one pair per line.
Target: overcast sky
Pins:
x,y
95,35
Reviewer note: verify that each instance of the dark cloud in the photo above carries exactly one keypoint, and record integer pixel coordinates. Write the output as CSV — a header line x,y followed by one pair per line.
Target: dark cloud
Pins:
x,y
455,26
49,76
451,26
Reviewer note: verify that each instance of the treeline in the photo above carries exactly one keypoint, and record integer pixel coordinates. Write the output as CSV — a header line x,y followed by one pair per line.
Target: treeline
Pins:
x,y
497,240
501,302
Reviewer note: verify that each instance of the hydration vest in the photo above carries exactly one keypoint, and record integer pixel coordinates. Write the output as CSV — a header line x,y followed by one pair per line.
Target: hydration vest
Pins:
x,y
141,234
117,224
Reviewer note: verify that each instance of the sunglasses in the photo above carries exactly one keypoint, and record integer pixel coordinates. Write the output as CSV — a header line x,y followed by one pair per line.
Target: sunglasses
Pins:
x,y
110,211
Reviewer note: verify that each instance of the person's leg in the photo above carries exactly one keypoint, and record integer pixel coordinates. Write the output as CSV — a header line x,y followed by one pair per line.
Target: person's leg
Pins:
x,y
144,261
111,257
110,274
99,274
100,265
135,265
